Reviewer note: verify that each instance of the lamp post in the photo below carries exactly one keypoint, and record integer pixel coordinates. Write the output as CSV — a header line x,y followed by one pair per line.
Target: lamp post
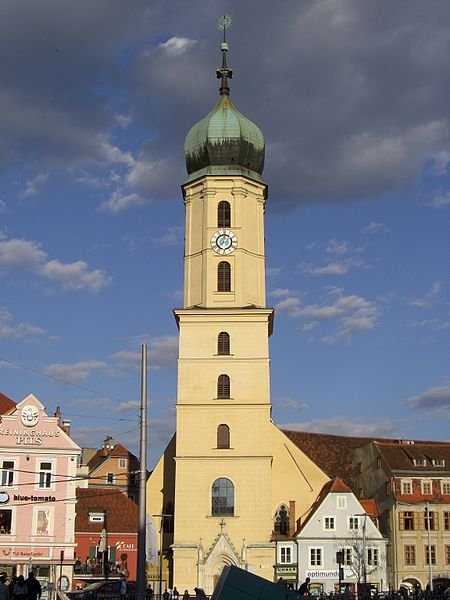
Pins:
x,y
428,523
364,557
161,531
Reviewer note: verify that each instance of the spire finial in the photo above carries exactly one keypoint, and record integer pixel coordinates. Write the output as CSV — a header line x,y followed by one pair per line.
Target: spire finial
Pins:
x,y
224,73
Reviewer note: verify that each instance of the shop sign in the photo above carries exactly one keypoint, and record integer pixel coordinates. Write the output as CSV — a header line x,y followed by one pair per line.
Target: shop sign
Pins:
x,y
25,553
128,546
26,437
33,498
331,574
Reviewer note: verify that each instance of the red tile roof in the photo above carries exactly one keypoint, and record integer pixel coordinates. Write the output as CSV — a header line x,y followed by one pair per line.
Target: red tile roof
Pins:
x,y
118,451
6,404
121,512
370,507
332,453
400,456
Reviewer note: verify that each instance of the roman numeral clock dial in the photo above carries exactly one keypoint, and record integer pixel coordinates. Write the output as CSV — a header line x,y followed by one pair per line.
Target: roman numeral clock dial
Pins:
x,y
224,241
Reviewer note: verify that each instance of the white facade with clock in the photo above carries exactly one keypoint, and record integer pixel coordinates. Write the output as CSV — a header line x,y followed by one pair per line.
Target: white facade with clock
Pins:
x,y
228,469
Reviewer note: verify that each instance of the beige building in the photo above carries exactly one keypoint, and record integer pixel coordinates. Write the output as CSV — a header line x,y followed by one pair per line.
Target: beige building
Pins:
x,y
410,481
228,470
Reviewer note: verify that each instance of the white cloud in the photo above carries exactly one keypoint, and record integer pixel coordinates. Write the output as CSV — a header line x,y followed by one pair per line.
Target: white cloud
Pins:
x,y
75,276
337,247
20,254
162,353
333,268
441,200
176,46
3,207
352,314
126,406
34,186
352,426
120,202
432,294
16,331
173,236
374,227
289,403
280,292
435,397
73,373
273,271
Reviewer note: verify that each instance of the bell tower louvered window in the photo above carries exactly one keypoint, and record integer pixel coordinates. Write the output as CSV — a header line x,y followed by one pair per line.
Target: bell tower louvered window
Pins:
x,y
224,214
223,386
281,522
223,436
223,343
224,276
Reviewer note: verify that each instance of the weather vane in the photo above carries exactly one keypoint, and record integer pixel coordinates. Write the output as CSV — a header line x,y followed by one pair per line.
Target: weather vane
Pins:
x,y
224,22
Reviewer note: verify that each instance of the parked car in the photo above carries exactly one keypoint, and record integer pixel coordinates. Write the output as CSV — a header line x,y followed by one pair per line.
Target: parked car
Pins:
x,y
109,588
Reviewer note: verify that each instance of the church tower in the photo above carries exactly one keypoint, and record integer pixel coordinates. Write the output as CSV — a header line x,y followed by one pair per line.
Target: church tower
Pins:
x,y
231,479
223,404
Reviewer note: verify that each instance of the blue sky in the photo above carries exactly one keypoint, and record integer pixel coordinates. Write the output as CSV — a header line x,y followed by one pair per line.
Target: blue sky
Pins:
x,y
352,97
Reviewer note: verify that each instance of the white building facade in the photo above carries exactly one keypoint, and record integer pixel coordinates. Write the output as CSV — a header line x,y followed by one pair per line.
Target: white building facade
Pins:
x,y
338,522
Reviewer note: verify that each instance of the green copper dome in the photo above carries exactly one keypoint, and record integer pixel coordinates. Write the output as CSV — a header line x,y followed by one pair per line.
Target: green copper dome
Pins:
x,y
224,142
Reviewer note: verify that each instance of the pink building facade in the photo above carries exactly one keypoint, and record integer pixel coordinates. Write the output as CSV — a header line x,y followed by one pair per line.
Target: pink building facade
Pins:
x,y
38,467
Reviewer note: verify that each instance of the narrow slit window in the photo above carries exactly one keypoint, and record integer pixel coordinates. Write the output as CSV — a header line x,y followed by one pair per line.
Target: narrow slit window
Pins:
x,y
224,214
223,386
223,436
224,276
223,343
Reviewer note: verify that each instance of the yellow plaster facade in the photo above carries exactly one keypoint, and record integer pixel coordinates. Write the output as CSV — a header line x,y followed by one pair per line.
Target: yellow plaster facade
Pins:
x,y
264,467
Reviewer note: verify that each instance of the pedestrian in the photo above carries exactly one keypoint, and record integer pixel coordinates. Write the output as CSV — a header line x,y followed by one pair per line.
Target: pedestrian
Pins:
x,y
20,589
186,595
11,585
166,595
33,587
123,587
149,592
200,593
303,590
4,589
175,594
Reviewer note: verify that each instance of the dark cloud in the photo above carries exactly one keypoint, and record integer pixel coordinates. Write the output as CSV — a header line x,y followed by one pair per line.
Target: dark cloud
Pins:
x,y
352,96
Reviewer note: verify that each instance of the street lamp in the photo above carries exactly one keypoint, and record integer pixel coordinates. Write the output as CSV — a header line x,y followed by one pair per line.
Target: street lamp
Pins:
x,y
161,531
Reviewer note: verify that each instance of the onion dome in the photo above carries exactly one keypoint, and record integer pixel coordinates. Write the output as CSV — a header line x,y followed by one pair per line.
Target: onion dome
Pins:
x,y
225,142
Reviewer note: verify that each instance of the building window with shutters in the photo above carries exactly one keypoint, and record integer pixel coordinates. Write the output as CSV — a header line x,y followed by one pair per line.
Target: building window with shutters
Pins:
x,y
223,343
430,520
430,554
7,473
223,214
45,475
222,498
223,436
224,276
447,554
410,554
223,386
282,520
406,520
447,520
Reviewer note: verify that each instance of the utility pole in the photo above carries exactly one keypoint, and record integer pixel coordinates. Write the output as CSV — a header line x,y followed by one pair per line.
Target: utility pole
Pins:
x,y
430,567
141,580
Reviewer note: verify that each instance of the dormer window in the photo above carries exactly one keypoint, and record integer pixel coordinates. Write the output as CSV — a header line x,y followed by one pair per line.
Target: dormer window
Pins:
x,y
419,462
96,517
438,462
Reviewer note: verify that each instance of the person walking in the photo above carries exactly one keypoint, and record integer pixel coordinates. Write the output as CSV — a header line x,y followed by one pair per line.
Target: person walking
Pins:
x,y
123,587
33,587
20,589
175,594
186,595
303,590
4,589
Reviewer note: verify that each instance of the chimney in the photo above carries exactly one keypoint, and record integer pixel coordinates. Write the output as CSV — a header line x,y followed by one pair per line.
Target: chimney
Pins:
x,y
58,415
291,518
66,426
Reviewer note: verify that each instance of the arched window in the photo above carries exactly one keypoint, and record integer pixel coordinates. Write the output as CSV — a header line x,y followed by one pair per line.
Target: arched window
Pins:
x,y
223,386
223,343
222,498
223,436
224,276
224,214
281,522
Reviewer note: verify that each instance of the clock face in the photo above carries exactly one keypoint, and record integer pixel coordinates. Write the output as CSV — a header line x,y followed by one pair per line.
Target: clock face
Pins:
x,y
224,241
